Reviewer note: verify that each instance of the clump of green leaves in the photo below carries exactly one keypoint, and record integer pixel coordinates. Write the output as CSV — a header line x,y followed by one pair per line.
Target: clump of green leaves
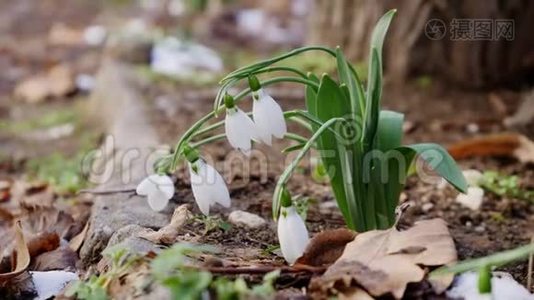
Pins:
x,y
505,186
95,288
211,223
174,268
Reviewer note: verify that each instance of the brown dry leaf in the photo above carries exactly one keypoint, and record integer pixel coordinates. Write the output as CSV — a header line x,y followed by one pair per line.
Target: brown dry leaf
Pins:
x,y
501,144
61,258
51,220
42,242
168,234
76,242
525,152
326,247
385,261
63,35
59,81
21,255
41,199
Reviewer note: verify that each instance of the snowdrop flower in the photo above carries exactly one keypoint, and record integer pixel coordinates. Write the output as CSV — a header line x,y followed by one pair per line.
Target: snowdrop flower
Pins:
x,y
268,115
292,232
473,198
475,194
207,184
158,188
503,287
240,129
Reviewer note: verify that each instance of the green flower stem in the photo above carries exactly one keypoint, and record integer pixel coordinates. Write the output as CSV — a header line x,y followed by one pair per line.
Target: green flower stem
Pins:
x,y
198,124
289,170
484,280
227,85
262,64
267,82
289,136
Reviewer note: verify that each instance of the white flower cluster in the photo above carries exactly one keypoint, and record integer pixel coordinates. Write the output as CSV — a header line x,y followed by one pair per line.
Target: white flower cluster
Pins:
x,y
208,185
268,122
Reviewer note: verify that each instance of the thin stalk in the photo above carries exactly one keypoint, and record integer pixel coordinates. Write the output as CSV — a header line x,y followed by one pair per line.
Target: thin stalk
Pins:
x,y
289,136
230,83
289,170
262,64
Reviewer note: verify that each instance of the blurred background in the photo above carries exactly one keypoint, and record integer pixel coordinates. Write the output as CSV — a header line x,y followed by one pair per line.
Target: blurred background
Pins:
x,y
142,71
458,69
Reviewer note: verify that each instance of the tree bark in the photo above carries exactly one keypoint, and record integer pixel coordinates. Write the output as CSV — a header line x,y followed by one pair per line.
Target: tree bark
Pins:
x,y
409,52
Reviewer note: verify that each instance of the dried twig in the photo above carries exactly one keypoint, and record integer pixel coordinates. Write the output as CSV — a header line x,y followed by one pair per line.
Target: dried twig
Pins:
x,y
106,192
266,269
530,263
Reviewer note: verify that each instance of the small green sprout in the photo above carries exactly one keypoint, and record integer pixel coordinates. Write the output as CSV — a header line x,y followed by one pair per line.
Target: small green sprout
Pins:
x,y
505,186
174,268
95,288
211,223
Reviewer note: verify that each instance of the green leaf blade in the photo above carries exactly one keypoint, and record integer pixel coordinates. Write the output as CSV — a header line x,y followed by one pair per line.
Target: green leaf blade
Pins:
x,y
440,161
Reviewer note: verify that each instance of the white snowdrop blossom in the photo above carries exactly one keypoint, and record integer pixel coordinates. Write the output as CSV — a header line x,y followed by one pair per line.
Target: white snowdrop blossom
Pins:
x,y
240,130
268,117
208,186
504,287
475,194
158,189
473,198
292,234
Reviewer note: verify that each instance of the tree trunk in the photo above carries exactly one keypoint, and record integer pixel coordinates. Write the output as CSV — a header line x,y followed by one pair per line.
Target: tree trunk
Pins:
x,y
409,51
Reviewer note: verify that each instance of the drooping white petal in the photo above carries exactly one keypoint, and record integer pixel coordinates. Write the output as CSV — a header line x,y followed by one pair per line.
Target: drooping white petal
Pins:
x,y
268,117
146,187
503,287
292,234
208,187
473,198
239,130
157,200
158,188
218,187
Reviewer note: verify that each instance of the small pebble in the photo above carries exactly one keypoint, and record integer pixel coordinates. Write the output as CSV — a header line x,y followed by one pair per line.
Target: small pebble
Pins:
x,y
480,229
327,207
4,185
427,207
472,128
243,218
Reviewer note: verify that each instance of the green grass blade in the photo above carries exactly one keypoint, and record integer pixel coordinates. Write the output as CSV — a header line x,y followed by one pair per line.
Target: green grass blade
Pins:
x,y
374,83
389,136
353,83
332,103
440,161
374,93
380,30
495,260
